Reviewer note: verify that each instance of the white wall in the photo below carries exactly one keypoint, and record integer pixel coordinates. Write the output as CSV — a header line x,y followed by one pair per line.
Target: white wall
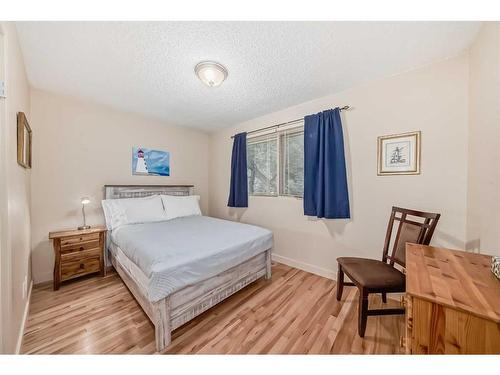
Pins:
x,y
433,99
79,147
14,195
484,142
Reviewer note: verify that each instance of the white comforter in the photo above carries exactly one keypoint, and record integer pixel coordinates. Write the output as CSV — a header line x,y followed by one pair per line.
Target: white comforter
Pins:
x,y
180,252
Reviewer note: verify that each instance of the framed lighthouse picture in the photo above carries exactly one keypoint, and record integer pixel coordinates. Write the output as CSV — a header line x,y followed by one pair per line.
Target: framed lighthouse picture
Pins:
x,y
399,154
148,162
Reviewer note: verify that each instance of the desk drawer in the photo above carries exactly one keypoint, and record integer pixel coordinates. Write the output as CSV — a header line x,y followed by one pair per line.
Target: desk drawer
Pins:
x,y
81,267
408,303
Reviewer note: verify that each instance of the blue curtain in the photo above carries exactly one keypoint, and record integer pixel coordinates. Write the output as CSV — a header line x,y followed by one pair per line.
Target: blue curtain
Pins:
x,y
325,178
238,191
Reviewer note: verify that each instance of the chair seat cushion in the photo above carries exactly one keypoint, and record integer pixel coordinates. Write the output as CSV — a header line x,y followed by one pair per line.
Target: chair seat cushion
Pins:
x,y
373,274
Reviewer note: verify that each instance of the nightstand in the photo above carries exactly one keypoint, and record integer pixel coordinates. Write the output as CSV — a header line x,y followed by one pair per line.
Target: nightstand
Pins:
x,y
78,253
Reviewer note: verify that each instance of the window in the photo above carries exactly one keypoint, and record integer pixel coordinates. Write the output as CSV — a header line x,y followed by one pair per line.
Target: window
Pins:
x,y
292,163
262,164
276,163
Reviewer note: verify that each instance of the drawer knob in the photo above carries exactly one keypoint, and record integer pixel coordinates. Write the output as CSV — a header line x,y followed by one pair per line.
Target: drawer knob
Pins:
x,y
403,301
402,342
82,266
81,247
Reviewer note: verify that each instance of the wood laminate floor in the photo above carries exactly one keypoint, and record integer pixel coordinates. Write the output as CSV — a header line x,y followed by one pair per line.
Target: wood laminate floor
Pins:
x,y
295,312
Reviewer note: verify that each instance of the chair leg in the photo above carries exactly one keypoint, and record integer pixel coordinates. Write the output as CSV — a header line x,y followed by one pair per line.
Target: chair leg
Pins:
x,y
363,312
340,283
384,297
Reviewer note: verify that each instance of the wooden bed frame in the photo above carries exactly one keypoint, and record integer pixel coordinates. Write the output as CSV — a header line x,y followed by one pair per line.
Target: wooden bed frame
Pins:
x,y
180,307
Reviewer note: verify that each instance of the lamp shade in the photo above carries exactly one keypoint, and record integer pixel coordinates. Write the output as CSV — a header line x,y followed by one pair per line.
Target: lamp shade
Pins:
x,y
211,73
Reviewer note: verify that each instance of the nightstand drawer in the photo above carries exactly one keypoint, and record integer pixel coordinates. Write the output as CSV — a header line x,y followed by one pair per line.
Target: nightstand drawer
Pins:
x,y
80,255
70,270
79,246
73,240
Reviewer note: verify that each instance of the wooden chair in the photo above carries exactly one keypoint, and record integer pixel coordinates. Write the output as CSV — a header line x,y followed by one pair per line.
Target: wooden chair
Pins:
x,y
375,276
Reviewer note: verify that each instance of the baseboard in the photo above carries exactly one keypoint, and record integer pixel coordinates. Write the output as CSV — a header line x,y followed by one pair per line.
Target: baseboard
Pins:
x,y
43,284
330,274
320,271
42,278
23,322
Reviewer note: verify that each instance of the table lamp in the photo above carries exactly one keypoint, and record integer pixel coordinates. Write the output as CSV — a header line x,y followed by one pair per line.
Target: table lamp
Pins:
x,y
85,201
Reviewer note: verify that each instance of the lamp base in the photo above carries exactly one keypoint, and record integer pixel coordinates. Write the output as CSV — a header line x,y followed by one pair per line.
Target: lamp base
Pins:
x,y
84,227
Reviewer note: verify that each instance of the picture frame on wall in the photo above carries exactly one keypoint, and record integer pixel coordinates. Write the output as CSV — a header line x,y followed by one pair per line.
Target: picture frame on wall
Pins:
x,y
148,162
398,154
24,141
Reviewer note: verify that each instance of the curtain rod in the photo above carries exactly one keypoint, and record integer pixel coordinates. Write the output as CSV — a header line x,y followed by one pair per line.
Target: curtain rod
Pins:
x,y
344,108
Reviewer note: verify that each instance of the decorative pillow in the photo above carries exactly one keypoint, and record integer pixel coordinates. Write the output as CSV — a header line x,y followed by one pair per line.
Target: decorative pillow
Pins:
x,y
119,212
179,206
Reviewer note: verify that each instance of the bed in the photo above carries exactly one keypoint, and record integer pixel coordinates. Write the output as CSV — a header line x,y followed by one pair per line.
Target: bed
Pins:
x,y
179,268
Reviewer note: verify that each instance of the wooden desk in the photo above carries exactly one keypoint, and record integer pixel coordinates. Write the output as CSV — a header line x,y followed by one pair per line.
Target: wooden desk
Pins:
x,y
452,302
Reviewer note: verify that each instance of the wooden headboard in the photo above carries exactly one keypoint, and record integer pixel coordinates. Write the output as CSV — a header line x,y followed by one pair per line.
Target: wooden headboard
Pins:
x,y
138,191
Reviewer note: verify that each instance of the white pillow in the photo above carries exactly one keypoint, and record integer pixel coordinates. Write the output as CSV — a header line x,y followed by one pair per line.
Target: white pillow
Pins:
x,y
119,212
179,206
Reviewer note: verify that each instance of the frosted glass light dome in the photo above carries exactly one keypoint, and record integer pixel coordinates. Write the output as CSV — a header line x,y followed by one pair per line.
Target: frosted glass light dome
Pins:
x,y
211,73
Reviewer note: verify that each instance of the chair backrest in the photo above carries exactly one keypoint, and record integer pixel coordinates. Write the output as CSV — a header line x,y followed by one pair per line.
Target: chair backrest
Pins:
x,y
414,227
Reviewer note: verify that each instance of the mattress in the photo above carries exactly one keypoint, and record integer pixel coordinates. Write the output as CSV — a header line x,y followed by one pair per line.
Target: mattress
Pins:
x,y
167,256
137,275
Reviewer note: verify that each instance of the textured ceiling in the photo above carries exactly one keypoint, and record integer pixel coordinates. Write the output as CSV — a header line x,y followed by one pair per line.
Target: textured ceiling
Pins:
x,y
147,67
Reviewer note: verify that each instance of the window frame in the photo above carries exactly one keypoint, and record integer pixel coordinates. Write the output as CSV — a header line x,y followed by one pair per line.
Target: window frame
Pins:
x,y
279,133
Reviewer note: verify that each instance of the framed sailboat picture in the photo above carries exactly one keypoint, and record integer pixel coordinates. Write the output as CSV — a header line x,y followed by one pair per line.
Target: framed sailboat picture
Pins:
x,y
147,162
398,154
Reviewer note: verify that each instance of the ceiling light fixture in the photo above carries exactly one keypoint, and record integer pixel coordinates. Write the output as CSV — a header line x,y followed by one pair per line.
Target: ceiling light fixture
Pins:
x,y
210,73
